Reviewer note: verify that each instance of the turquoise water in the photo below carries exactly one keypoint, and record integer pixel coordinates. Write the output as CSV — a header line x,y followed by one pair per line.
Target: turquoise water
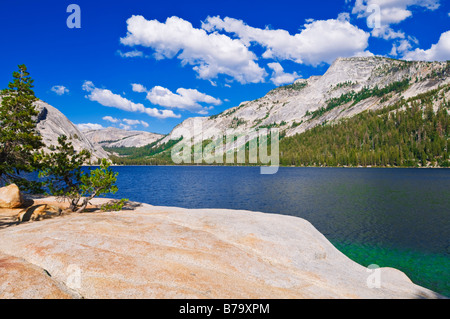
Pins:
x,y
430,270
390,217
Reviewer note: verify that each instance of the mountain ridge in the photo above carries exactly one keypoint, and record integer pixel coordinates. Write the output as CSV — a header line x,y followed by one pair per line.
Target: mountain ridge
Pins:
x,y
286,106
112,137
350,87
52,123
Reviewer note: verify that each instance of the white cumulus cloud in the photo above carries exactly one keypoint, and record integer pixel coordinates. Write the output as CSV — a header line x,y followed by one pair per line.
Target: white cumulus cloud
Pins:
x,y
128,123
391,11
210,54
110,119
131,54
136,87
279,77
89,126
135,122
125,127
107,98
382,15
60,89
437,52
132,122
185,99
319,41
387,33
400,47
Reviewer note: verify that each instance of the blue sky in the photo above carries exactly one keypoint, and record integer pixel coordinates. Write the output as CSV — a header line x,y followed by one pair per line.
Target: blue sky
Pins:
x,y
149,65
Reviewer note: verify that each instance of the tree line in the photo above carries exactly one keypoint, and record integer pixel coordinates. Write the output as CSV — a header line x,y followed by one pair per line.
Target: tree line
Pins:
x,y
406,134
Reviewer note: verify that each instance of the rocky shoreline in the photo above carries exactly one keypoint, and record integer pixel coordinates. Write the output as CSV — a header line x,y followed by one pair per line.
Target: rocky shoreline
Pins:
x,y
147,251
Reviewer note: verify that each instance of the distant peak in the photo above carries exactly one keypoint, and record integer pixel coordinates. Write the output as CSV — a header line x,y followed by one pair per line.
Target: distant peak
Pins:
x,y
360,59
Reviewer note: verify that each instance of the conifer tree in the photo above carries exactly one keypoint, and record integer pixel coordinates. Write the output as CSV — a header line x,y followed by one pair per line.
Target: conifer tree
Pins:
x,y
19,140
66,178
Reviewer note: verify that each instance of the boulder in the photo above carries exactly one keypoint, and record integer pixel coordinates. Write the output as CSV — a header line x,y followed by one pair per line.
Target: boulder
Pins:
x,y
23,280
38,212
169,252
10,197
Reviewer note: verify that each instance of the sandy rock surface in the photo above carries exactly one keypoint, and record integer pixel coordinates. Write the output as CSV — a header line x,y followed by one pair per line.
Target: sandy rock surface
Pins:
x,y
164,252
22,280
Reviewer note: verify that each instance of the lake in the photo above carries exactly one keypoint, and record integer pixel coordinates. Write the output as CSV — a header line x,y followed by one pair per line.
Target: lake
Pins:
x,y
389,217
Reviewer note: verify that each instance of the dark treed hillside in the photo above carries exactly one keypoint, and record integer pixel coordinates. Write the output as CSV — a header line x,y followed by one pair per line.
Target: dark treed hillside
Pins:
x,y
409,133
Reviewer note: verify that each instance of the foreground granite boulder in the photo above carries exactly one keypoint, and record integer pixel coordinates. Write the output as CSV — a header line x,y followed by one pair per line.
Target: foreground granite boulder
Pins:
x,y
163,252
10,197
20,279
